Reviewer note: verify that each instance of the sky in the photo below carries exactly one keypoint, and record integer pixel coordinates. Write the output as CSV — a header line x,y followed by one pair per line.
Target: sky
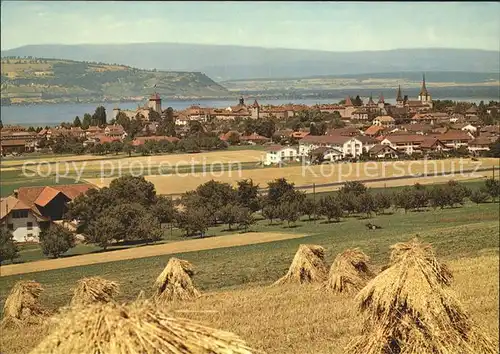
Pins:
x,y
331,26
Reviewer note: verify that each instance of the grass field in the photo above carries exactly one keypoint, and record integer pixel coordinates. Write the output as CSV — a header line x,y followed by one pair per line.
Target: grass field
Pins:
x,y
177,184
148,251
12,179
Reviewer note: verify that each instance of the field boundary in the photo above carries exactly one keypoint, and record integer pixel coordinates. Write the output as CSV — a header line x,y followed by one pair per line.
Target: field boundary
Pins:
x,y
148,251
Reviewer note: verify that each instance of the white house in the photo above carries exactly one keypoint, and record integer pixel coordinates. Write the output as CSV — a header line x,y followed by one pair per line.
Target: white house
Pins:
x,y
20,219
384,121
277,154
348,145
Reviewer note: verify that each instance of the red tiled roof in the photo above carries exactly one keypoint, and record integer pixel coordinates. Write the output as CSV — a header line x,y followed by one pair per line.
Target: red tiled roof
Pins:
x,y
17,142
11,203
253,136
29,195
44,198
348,102
373,130
454,135
141,140
326,139
405,138
276,148
429,142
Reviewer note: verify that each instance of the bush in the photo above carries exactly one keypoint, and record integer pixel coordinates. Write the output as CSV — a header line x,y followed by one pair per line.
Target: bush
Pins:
x,y
56,240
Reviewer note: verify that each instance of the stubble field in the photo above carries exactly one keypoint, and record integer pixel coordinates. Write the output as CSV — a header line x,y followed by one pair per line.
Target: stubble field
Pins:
x,y
318,174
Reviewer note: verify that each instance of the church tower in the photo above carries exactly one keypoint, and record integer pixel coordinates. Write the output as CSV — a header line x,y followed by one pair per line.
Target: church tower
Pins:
x,y
399,98
424,95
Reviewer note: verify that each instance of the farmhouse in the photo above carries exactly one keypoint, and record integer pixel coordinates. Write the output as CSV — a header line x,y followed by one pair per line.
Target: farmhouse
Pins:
x,y
349,146
24,222
324,153
277,154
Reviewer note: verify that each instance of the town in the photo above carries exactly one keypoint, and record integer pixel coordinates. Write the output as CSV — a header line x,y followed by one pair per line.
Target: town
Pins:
x,y
351,130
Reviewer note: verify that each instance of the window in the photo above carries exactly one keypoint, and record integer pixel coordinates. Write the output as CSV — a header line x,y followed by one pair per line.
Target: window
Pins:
x,y
18,214
29,225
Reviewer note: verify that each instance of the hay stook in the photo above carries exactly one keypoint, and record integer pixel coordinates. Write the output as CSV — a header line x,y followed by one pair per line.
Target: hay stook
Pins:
x,y
308,266
410,309
140,327
22,305
94,289
349,272
175,282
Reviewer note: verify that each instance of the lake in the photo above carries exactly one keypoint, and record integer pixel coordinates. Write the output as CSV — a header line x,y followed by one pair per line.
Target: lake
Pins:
x,y
53,114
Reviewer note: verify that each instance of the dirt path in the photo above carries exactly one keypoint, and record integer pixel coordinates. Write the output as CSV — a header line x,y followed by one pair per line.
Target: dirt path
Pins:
x,y
147,251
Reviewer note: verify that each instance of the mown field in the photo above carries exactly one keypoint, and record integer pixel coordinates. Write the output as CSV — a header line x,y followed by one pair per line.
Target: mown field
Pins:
x,y
318,174
297,319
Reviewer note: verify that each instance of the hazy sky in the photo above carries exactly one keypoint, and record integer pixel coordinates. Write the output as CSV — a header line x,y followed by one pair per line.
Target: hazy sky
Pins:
x,y
312,25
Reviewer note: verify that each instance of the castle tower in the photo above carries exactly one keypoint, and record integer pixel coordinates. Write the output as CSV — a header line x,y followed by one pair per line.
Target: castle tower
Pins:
x,y
155,102
424,95
255,110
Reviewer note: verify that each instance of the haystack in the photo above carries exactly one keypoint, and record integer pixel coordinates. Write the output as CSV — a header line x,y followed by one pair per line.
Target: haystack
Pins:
x,y
22,305
136,328
175,283
349,272
94,289
308,266
410,309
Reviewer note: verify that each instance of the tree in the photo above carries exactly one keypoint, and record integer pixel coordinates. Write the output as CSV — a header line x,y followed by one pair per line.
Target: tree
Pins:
x,y
233,138
193,220
382,201
154,116
458,192
164,209
355,187
245,219
277,189
420,197
8,248
404,199
228,214
478,196
492,187
116,147
99,116
289,212
77,122
309,207
56,240
331,208
87,121
270,211
494,149
125,222
128,148
247,194
357,102
366,204
348,201
130,189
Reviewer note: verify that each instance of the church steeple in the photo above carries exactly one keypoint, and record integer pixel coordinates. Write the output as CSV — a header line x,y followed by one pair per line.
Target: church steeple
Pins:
x,y
423,90
399,97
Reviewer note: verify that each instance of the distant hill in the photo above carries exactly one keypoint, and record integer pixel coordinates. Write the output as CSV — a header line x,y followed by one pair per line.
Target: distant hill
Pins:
x,y
226,62
36,80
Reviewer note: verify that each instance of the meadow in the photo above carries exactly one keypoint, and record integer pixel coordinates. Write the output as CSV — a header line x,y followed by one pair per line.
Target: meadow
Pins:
x,y
295,319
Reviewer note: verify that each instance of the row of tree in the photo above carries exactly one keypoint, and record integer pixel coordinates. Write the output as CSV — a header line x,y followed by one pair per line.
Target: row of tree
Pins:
x,y
130,211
